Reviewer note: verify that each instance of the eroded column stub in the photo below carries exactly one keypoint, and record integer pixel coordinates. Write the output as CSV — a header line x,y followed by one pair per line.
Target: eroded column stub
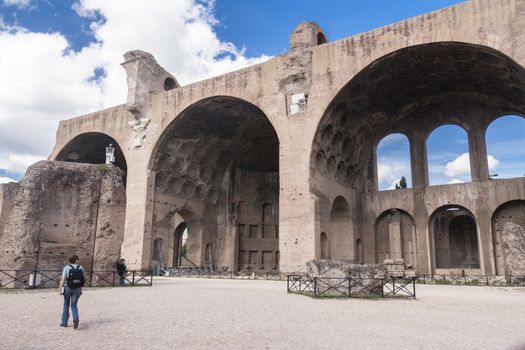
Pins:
x,y
418,87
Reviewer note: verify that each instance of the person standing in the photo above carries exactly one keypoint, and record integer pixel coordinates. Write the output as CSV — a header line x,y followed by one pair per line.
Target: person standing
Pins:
x,y
70,286
122,269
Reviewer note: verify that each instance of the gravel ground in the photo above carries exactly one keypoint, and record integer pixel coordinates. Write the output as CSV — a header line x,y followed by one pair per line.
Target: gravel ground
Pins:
x,y
232,314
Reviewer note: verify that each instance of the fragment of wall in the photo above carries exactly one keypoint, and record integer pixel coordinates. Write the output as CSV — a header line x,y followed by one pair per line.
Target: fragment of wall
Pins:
x,y
57,211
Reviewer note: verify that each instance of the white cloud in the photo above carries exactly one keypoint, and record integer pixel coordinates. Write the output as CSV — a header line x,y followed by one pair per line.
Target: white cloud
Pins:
x,y
389,172
18,162
493,162
43,81
456,181
18,3
461,165
4,180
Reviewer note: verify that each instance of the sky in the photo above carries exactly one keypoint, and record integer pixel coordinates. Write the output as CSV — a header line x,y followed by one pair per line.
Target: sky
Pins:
x,y
60,59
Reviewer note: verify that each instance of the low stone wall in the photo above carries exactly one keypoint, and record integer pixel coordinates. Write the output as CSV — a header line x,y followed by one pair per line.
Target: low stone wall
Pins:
x,y
333,278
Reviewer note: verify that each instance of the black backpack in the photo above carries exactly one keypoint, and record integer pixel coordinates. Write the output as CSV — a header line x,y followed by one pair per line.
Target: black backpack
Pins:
x,y
75,278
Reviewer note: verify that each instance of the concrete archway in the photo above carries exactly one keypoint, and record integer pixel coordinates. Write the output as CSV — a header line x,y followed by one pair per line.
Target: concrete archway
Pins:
x,y
91,148
219,159
395,238
325,246
454,238
341,231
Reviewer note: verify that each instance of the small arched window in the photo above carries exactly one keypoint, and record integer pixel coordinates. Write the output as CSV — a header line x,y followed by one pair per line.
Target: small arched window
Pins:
x,y
393,163
321,39
505,138
169,84
448,155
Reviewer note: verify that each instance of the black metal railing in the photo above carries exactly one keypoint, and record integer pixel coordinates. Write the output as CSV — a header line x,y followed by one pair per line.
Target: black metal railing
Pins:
x,y
352,287
205,273
473,280
51,278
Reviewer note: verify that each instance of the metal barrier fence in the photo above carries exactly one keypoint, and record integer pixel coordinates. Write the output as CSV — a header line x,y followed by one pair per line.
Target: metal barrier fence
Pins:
x,y
473,280
51,278
352,287
203,273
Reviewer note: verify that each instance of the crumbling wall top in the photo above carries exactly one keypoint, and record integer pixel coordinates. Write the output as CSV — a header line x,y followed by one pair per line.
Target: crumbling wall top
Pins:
x,y
144,77
306,35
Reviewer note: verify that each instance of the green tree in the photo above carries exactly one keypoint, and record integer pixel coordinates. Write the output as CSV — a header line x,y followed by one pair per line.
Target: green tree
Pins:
x,y
403,182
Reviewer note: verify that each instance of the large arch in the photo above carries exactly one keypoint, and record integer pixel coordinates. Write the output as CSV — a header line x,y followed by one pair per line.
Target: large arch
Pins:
x,y
219,159
90,148
508,233
419,87
454,239
411,91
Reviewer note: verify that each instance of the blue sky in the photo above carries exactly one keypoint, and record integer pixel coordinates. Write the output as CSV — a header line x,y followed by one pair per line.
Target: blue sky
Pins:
x,y
62,58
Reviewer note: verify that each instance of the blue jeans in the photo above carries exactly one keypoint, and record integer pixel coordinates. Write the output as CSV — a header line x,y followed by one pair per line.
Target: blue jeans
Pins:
x,y
71,296
122,279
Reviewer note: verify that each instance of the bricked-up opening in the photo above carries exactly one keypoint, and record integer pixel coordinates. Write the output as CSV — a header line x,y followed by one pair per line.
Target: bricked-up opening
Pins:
x,y
158,254
455,239
359,252
395,238
341,232
91,148
220,159
325,246
508,234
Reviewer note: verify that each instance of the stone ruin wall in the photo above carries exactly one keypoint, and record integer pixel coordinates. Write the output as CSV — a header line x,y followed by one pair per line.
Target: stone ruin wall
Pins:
x,y
294,92
56,211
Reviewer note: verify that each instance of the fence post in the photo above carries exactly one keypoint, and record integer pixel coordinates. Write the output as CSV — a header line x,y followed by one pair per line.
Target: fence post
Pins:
x,y
487,279
113,283
151,279
414,287
349,286
288,284
133,278
382,287
315,286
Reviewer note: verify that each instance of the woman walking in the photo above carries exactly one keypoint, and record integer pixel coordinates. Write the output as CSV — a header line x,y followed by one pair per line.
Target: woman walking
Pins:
x,y
71,285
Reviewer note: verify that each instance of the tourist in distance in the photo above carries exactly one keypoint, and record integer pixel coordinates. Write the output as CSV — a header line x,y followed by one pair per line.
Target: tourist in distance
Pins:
x,y
71,285
122,269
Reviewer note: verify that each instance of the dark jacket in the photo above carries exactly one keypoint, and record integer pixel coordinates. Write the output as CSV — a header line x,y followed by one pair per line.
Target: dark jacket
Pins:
x,y
121,268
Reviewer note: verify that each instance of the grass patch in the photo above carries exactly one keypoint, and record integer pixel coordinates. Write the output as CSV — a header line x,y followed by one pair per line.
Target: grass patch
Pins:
x,y
103,167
